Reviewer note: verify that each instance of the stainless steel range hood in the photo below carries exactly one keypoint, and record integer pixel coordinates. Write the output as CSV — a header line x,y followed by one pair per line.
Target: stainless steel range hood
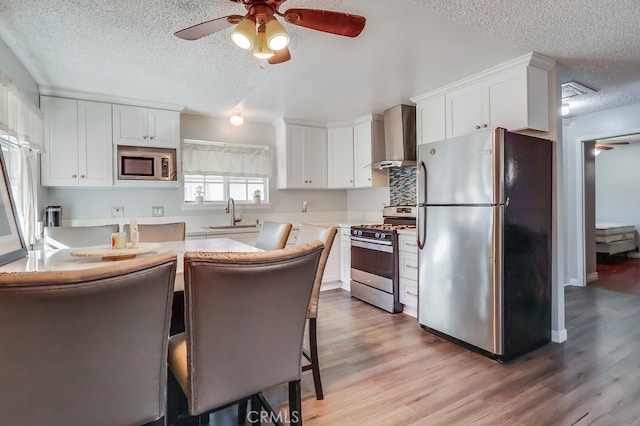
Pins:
x,y
399,137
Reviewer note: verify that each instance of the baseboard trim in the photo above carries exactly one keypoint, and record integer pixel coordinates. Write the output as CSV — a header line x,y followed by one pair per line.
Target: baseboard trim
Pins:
x,y
592,277
410,310
559,336
330,285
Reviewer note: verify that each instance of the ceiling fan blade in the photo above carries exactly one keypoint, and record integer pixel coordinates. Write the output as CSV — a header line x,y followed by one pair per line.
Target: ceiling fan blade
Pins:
x,y
282,55
209,27
614,143
604,147
327,21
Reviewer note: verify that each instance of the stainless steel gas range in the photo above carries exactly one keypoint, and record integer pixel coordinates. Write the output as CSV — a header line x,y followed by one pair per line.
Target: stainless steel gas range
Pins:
x,y
374,258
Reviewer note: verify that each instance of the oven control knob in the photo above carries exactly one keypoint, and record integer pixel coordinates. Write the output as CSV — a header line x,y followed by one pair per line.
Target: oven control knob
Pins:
x,y
383,236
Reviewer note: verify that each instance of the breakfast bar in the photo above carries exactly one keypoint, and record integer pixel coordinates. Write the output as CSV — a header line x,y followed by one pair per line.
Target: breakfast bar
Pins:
x,y
62,260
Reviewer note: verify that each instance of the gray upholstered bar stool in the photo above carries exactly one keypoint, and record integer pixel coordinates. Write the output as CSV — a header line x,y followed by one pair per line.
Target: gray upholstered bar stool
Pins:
x,y
326,234
60,237
273,235
158,232
86,347
246,316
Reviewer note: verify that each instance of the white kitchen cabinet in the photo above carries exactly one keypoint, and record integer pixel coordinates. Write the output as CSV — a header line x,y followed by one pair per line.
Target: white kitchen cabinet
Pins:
x,y
78,150
368,147
509,99
464,113
332,271
408,271
514,95
302,156
345,253
431,120
139,126
352,148
340,156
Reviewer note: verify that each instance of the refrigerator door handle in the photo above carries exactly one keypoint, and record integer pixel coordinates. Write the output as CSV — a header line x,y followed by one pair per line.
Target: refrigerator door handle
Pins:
x,y
422,206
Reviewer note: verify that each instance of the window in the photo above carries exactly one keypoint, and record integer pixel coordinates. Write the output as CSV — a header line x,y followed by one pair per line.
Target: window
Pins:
x,y
217,171
219,188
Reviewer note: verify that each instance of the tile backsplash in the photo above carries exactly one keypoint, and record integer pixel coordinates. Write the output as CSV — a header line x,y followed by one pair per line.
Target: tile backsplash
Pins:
x,y
402,186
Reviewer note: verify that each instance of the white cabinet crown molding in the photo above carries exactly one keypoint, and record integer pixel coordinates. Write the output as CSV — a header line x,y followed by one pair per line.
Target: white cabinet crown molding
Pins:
x,y
532,58
63,93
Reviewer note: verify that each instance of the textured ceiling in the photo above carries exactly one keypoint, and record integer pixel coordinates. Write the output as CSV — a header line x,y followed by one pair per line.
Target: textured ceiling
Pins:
x,y
126,49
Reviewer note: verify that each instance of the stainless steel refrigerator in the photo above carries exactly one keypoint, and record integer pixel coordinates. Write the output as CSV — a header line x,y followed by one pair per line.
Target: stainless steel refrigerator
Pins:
x,y
484,238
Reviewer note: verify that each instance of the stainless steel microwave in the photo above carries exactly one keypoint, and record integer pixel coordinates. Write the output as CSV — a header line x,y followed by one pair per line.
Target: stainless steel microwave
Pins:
x,y
142,163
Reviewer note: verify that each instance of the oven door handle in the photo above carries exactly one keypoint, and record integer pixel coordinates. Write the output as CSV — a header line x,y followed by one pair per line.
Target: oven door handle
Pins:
x,y
385,246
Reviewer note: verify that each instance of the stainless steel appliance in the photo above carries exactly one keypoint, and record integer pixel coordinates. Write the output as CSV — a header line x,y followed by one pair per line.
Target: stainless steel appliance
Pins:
x,y
145,163
484,238
399,137
374,258
53,216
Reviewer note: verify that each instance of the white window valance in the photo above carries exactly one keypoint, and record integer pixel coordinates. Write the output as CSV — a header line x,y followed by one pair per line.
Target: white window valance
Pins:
x,y
225,159
20,121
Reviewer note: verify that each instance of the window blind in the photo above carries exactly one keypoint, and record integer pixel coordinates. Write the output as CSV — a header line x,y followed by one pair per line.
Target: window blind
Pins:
x,y
224,159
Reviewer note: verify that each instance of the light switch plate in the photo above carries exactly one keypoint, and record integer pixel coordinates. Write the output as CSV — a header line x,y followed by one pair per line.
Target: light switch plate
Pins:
x,y
157,211
117,211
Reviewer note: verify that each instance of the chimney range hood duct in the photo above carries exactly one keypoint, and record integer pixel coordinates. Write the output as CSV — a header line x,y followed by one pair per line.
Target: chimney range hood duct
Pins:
x,y
399,137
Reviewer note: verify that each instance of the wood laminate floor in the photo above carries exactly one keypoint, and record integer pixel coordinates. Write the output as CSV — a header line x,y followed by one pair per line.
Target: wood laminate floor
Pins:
x,y
383,369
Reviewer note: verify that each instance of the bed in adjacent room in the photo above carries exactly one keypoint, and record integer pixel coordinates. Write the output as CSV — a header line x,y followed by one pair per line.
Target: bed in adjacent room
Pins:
x,y
614,238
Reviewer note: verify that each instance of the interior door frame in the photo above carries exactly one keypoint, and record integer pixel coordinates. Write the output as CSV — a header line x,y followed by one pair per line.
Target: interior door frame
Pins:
x,y
581,250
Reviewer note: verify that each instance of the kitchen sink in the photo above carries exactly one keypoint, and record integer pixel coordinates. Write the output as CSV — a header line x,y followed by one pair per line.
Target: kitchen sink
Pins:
x,y
231,227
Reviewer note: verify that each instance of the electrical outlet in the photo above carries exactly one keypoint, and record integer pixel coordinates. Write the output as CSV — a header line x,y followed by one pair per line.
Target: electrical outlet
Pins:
x,y
117,211
157,211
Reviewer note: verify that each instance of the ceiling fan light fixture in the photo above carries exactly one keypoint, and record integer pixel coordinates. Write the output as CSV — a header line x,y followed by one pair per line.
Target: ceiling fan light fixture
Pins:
x,y
277,37
261,50
244,34
565,110
236,120
597,151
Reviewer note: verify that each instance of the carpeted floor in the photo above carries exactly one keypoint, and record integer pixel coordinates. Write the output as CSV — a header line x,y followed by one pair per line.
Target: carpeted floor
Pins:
x,y
618,274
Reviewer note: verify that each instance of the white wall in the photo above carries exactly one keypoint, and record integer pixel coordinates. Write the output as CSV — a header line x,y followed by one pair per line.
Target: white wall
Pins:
x,y
613,122
95,204
18,74
617,189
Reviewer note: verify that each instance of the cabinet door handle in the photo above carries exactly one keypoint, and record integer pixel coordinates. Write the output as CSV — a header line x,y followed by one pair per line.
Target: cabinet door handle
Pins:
x,y
151,137
412,266
411,244
410,293
144,137
81,176
477,127
485,125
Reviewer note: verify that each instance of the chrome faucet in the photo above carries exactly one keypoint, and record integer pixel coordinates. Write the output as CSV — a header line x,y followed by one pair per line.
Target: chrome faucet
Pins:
x,y
234,220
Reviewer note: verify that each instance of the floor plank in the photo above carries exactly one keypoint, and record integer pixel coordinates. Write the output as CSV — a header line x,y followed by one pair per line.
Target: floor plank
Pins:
x,y
383,369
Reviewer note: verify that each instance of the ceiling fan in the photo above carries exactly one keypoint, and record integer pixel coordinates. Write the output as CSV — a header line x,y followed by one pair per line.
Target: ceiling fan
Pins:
x,y
260,30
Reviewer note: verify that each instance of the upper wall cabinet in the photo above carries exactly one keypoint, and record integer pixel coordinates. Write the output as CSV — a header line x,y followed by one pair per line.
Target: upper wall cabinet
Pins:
x,y
352,148
140,126
77,137
302,155
340,156
368,147
514,95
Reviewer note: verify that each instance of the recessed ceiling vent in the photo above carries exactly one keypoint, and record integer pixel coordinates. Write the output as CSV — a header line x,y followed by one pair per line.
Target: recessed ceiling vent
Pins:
x,y
571,89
